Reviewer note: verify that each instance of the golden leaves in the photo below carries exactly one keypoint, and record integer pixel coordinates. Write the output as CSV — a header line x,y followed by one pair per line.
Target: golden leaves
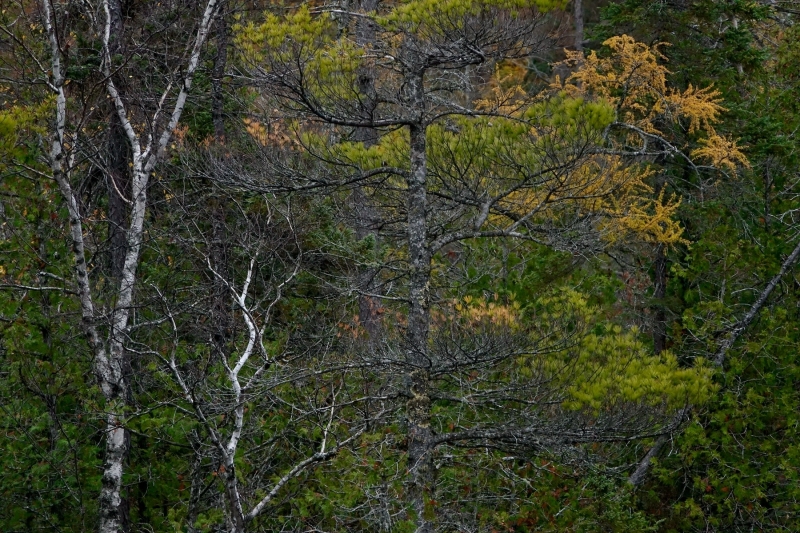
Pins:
x,y
634,81
721,152
506,94
700,106
651,219
478,312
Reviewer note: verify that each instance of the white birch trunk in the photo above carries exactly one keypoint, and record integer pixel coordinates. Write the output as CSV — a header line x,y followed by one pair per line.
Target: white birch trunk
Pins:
x,y
109,353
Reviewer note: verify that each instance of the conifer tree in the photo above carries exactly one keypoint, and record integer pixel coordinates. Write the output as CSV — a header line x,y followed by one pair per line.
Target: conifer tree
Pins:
x,y
557,167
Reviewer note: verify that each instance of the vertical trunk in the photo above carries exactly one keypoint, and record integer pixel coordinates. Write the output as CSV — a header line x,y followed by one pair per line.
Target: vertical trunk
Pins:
x,y
768,181
113,377
365,38
109,357
577,14
118,187
659,292
365,214
196,485
111,509
218,249
117,173
235,516
218,73
420,436
221,319
111,371
659,327
739,67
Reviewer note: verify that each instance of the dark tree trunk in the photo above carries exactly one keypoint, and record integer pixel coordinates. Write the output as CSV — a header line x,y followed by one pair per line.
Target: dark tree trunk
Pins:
x,y
219,248
577,15
221,320
218,73
659,304
113,507
369,307
118,182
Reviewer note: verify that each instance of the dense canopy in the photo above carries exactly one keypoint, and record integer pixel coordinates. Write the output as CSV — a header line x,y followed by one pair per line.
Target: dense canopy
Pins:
x,y
410,266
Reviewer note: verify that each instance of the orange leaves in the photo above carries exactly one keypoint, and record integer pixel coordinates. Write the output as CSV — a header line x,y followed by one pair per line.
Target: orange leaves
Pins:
x,y
257,131
274,135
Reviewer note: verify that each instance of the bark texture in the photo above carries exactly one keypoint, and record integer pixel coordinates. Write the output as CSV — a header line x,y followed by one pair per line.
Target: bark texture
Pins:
x,y
577,15
418,407
109,354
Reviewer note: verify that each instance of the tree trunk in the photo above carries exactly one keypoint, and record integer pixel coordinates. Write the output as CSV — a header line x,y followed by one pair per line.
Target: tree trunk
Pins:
x,y
659,293
420,436
111,509
221,321
218,73
235,515
369,307
577,14
659,326
113,377
117,173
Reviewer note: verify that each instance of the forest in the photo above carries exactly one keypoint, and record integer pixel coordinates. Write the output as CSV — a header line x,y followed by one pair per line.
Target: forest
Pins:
x,y
407,266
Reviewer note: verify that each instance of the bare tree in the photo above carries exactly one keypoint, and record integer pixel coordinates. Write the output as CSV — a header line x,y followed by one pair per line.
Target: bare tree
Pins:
x,y
274,402
147,141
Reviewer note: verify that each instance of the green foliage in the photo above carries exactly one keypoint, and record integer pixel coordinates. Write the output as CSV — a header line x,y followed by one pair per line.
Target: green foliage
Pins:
x,y
578,327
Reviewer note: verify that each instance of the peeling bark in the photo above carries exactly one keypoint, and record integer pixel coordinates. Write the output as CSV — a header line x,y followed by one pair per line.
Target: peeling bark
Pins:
x,y
109,353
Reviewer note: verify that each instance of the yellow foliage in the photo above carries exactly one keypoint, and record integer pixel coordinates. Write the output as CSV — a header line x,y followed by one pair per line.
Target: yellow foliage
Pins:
x,y
700,106
649,218
634,81
477,313
721,152
506,94
433,16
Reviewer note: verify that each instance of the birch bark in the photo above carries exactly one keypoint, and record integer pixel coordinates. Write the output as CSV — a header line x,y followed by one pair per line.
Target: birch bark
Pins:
x,y
109,352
